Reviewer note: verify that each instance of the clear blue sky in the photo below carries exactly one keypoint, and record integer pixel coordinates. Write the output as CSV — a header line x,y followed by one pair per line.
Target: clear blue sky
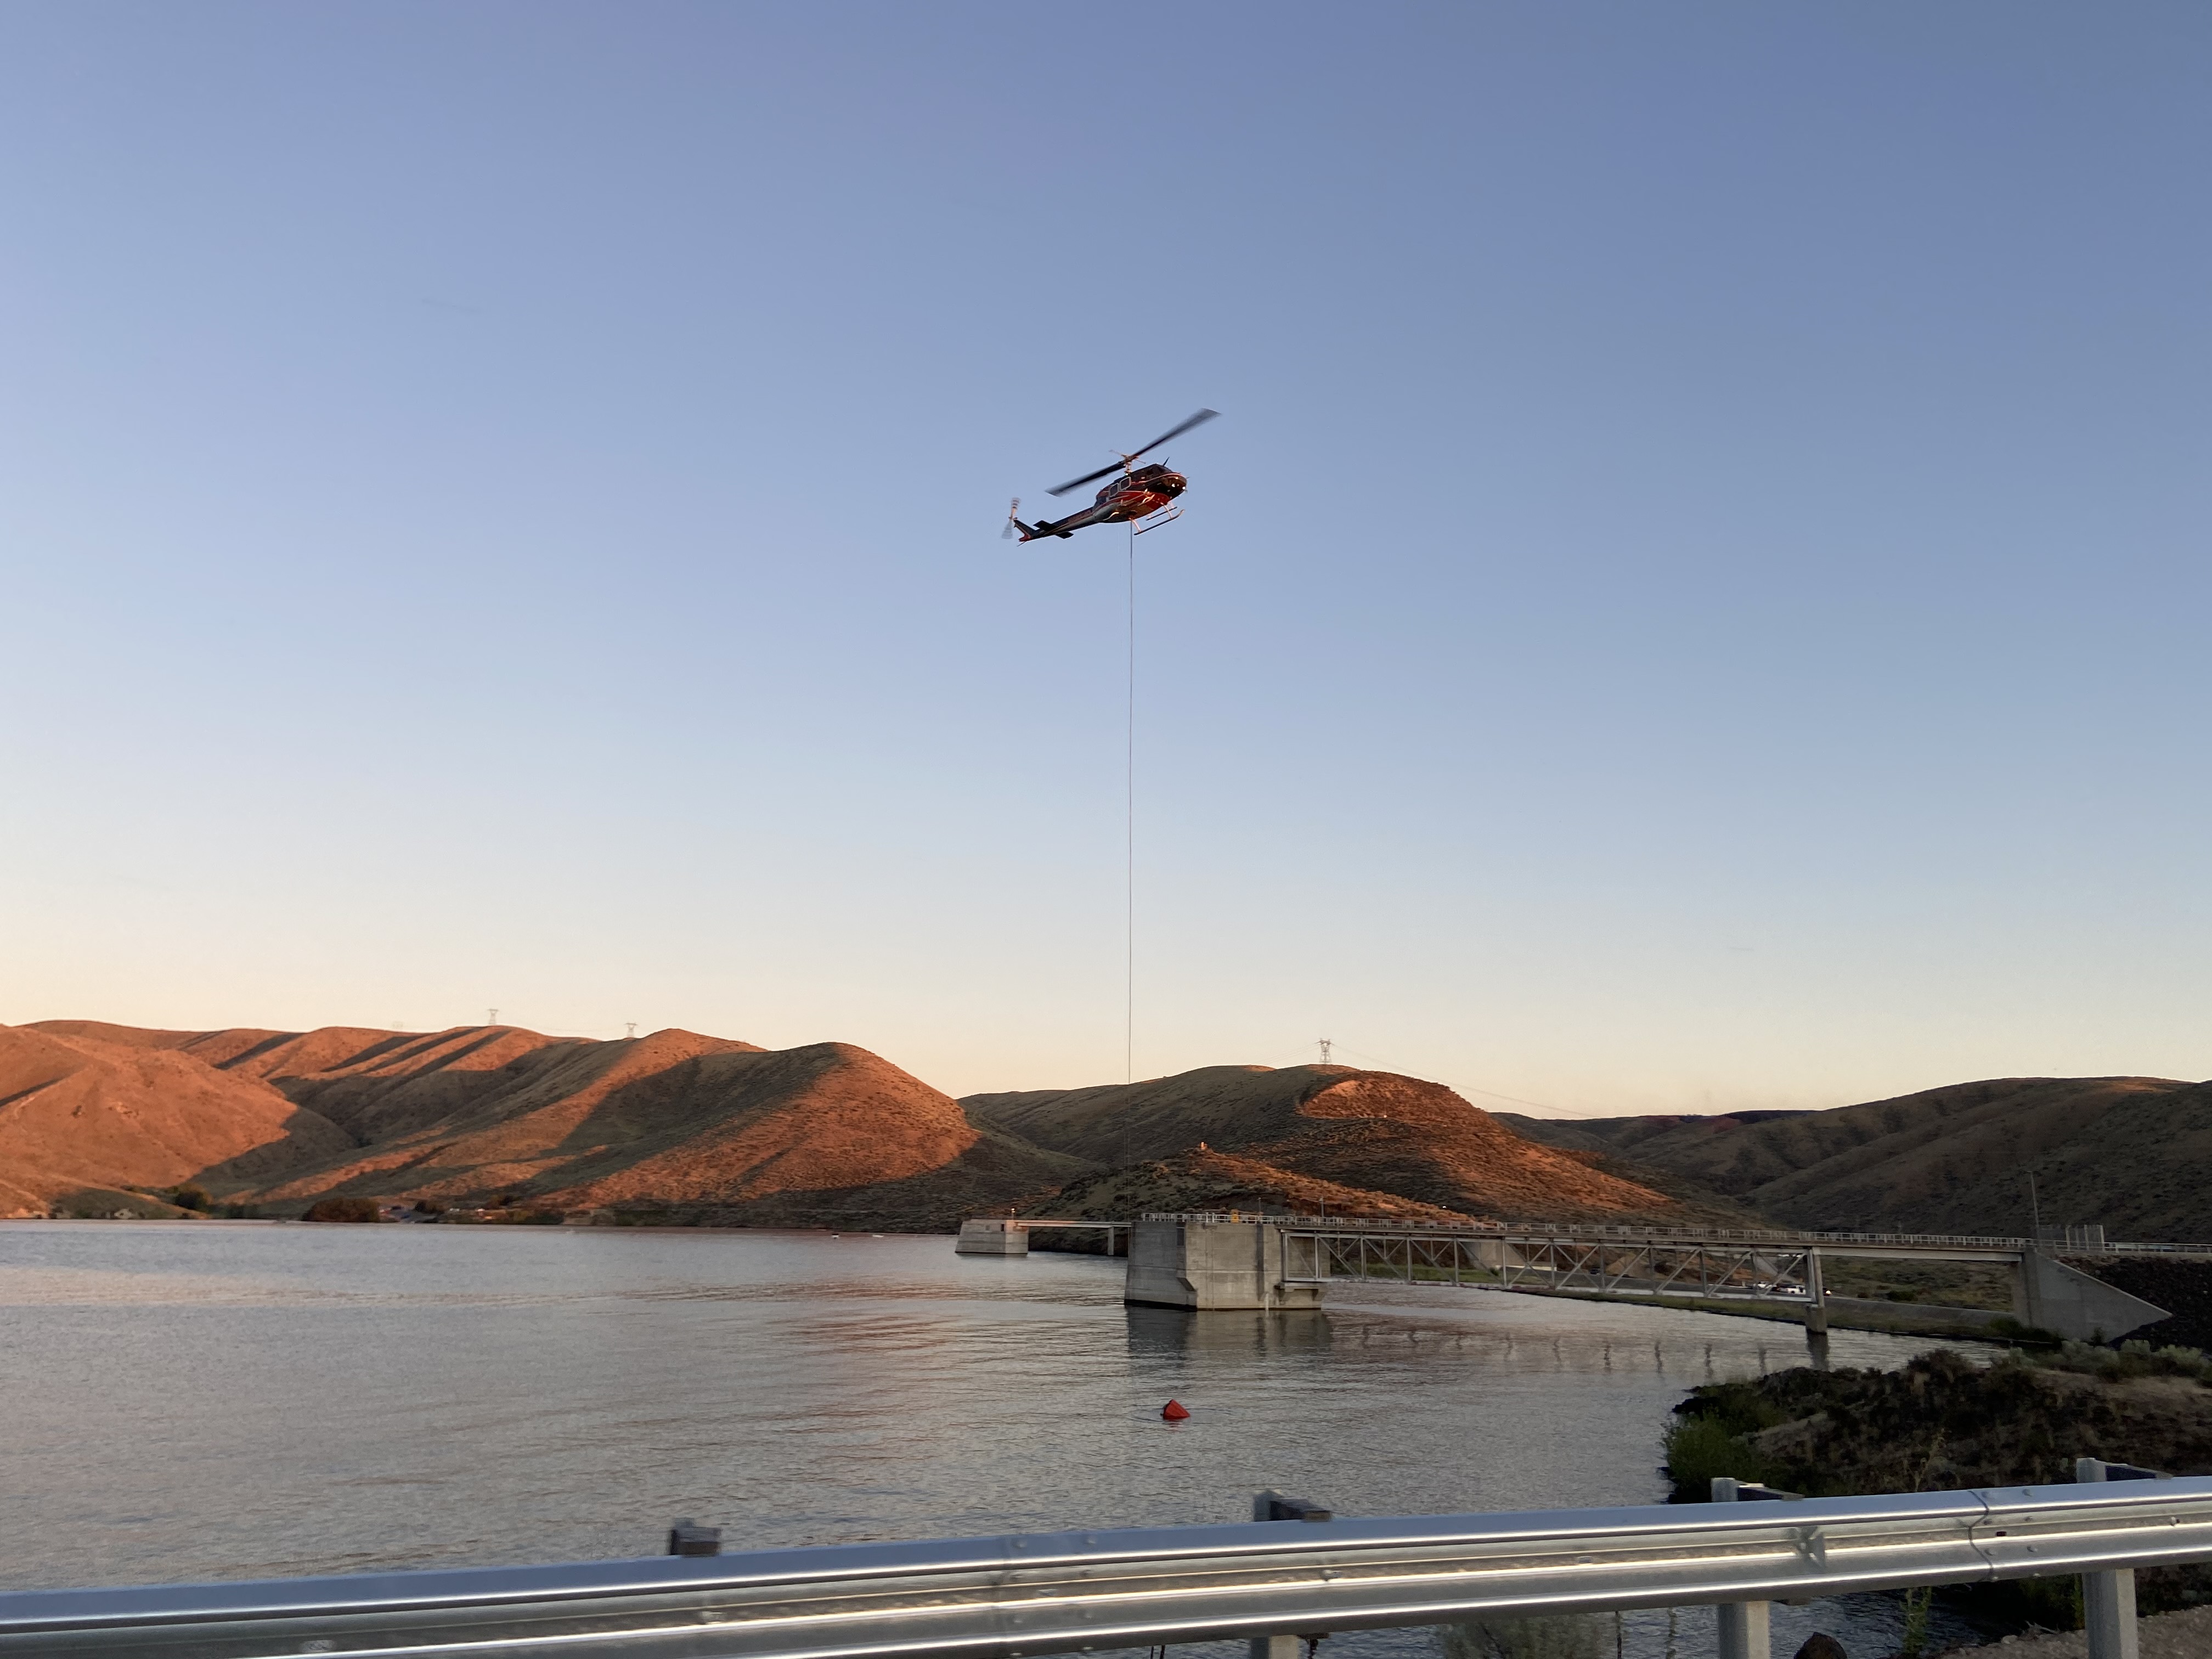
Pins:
x,y
1697,597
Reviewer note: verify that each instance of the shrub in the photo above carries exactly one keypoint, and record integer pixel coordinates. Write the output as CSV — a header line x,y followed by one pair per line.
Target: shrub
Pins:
x,y
2054,1604
189,1197
429,1206
1700,1448
2130,1360
343,1209
1747,1408
2009,1329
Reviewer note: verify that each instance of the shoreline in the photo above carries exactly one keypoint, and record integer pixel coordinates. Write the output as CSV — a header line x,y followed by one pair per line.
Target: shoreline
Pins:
x,y
1844,1313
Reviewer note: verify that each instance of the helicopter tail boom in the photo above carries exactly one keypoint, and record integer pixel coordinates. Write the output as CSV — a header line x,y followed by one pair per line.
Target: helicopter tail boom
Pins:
x,y
1040,529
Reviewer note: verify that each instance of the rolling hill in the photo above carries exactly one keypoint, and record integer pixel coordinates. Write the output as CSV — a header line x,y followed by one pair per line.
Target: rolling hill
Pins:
x,y
682,1127
1252,1136
674,1125
2130,1153
83,1123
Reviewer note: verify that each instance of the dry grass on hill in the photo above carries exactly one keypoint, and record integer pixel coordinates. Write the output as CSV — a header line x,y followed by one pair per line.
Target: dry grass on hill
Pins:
x,y
1376,1139
82,1123
2128,1152
673,1126
682,1127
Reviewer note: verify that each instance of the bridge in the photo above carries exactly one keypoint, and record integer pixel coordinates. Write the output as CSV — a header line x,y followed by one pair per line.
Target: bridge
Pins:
x,y
1234,1259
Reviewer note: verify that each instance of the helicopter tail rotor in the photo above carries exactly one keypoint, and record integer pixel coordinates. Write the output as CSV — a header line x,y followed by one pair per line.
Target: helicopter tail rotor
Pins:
x,y
1012,518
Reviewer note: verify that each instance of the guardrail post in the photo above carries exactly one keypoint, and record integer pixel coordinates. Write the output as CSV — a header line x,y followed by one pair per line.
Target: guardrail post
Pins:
x,y
1744,1625
2108,1598
1272,1505
690,1538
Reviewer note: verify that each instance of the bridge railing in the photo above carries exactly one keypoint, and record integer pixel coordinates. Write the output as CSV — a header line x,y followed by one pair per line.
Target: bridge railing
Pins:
x,y
1682,1235
1014,1596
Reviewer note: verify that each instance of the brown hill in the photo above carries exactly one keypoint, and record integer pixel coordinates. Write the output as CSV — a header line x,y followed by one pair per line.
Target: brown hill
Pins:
x,y
1218,1181
671,1126
678,1126
1375,1133
84,1122
2132,1154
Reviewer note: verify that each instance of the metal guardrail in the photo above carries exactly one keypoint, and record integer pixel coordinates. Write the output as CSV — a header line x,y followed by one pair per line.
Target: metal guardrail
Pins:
x,y
1008,1597
1686,1235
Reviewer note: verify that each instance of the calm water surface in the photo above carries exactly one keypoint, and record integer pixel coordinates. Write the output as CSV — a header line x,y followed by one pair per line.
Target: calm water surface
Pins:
x,y
212,1401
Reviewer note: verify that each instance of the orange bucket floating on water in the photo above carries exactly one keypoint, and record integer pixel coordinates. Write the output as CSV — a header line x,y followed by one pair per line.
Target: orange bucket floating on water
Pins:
x,y
1173,1412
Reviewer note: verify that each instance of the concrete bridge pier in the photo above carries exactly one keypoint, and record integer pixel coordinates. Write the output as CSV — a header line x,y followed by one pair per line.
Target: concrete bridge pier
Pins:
x,y
1816,1297
1207,1265
994,1235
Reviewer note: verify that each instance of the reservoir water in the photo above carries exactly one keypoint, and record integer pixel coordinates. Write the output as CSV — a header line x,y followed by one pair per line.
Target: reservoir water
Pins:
x,y
198,1401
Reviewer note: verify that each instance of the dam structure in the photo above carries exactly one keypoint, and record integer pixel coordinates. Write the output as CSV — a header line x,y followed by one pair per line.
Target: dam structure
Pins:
x,y
1234,1261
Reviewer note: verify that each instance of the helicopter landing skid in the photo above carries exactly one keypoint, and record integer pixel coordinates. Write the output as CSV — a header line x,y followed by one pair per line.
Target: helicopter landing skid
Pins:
x,y
1167,515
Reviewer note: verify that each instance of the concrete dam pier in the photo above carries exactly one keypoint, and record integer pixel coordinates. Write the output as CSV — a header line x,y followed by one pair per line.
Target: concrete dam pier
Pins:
x,y
1219,1265
1205,1262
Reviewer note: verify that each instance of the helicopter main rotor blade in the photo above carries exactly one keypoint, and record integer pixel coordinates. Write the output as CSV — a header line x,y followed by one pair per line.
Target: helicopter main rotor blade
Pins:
x,y
1199,419
1088,478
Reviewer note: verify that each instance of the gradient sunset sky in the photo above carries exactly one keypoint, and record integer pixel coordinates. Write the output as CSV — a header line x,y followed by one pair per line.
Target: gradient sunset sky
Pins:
x,y
1697,599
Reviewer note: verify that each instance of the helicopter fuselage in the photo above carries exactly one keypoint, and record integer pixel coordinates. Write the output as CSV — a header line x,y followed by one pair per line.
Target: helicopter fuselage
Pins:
x,y
1137,495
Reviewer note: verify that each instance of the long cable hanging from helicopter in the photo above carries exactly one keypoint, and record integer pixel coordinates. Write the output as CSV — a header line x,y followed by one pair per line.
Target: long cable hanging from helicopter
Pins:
x,y
1144,498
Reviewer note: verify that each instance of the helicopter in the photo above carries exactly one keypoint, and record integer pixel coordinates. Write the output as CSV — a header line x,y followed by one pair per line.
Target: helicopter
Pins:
x,y
1140,493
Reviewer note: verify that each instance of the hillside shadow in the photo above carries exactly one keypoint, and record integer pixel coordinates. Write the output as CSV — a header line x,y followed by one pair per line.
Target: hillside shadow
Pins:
x,y
309,1140
934,1201
638,1118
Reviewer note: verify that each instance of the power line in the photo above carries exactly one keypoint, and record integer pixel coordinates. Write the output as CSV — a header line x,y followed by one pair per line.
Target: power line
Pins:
x,y
1129,866
1493,1094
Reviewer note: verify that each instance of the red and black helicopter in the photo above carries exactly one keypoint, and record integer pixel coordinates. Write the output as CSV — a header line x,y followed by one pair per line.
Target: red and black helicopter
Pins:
x,y
1140,493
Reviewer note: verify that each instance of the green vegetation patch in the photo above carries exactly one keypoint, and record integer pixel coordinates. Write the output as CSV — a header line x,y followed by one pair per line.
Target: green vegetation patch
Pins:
x,y
1944,1424
1936,1284
343,1209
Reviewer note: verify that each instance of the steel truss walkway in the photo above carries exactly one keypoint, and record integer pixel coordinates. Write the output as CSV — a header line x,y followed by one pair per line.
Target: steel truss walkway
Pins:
x,y
1713,1264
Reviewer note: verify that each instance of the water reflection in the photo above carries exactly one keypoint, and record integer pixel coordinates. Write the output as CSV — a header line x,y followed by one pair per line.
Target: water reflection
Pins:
x,y
1160,1333
1816,1350
196,1401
